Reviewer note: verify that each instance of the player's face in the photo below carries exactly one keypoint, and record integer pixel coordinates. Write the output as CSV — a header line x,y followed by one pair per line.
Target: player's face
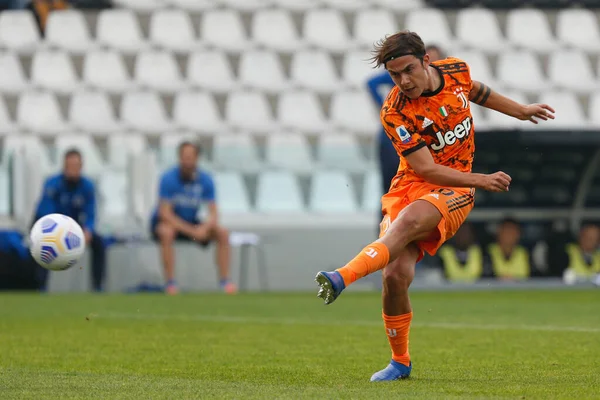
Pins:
x,y
188,159
409,74
589,239
72,167
509,235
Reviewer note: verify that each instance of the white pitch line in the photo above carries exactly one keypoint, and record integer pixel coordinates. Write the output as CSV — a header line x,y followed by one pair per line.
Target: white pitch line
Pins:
x,y
289,321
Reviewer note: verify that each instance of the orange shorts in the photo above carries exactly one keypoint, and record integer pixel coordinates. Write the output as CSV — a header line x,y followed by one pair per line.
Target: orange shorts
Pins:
x,y
454,204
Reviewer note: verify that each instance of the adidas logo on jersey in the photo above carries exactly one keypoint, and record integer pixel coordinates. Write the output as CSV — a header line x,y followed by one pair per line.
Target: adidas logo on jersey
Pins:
x,y
426,123
449,138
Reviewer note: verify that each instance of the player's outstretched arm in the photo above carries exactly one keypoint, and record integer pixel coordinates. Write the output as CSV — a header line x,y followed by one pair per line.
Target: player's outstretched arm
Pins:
x,y
424,165
484,96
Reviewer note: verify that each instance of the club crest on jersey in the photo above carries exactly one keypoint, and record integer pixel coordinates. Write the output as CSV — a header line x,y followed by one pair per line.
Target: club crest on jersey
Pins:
x,y
403,134
460,131
461,96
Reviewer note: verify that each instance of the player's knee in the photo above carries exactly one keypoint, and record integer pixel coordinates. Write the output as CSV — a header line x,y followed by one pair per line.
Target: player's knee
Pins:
x,y
396,279
222,234
165,233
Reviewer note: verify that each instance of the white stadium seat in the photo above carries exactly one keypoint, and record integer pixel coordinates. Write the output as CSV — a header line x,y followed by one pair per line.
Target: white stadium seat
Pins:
x,y
224,30
53,70
197,111
262,70
32,145
172,30
300,110
12,78
594,110
4,190
68,30
145,112
236,152
141,5
274,29
232,195
340,151
295,5
106,70
278,192
346,5
578,27
479,66
478,28
529,28
157,70
192,5
421,20
580,76
396,5
326,29
371,192
19,31
249,111
289,151
92,160
92,112
119,29
245,5
39,112
210,70
332,192
6,125
354,111
315,70
569,112
357,68
521,70
371,26
113,202
122,146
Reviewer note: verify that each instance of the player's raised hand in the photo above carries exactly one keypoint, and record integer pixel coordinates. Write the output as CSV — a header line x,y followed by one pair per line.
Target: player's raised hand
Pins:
x,y
533,112
496,182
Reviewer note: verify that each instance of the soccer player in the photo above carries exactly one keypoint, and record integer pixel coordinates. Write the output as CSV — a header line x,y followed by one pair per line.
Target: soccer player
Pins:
x,y
427,117
70,193
183,190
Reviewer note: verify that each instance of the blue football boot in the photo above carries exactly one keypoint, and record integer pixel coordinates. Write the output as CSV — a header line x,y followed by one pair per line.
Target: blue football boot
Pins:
x,y
331,284
392,372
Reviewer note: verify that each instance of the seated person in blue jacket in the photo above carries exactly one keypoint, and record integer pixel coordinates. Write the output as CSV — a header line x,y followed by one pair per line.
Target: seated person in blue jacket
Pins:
x,y
70,193
183,191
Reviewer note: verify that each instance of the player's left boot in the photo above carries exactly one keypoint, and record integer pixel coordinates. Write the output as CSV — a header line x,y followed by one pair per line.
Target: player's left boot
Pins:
x,y
392,372
229,287
331,285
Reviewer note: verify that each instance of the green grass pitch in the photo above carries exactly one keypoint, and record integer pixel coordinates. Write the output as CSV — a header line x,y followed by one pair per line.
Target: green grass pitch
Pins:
x,y
497,344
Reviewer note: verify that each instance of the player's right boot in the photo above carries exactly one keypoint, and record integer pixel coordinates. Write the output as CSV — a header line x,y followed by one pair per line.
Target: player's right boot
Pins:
x,y
331,285
392,372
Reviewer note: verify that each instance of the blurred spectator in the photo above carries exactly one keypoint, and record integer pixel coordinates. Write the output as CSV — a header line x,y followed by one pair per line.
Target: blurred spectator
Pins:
x,y
584,256
509,260
72,194
462,257
183,191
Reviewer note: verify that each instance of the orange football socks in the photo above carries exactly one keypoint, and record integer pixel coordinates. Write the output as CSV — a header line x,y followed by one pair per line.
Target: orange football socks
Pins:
x,y
397,328
372,258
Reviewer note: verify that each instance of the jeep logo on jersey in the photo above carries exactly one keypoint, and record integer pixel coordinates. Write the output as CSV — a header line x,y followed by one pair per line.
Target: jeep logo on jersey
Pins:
x,y
449,138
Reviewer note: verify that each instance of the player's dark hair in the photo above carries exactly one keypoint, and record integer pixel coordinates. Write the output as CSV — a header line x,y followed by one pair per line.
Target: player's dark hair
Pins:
x,y
510,221
185,144
72,152
397,45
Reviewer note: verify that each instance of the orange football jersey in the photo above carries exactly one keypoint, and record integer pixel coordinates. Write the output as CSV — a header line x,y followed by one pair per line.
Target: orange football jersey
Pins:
x,y
440,121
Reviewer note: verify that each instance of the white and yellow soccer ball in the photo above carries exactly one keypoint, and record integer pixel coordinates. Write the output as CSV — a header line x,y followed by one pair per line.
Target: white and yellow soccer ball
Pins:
x,y
57,242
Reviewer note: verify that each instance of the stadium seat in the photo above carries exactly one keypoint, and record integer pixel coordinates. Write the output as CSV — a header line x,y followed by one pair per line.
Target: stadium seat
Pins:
x,y
569,112
122,146
39,112
19,31
4,190
418,20
521,70
290,152
144,111
157,70
357,69
479,65
295,5
92,160
12,78
245,5
232,195
106,70
340,151
372,25
404,5
580,77
248,111
54,71
31,144
332,192
210,70
274,29
262,70
141,5
478,28
578,27
197,111
346,5
371,192
235,152
594,109
326,29
224,30
314,69
119,29
354,111
300,110
113,199
6,125
278,192
68,30
529,28
173,30
498,120
192,5
92,112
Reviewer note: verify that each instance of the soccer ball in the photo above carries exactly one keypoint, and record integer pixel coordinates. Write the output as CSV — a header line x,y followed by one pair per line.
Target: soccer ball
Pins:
x,y
57,242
